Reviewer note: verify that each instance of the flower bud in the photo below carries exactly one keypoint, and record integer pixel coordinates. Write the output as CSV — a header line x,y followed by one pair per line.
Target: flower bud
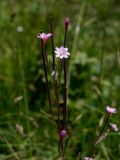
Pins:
x,y
63,133
67,22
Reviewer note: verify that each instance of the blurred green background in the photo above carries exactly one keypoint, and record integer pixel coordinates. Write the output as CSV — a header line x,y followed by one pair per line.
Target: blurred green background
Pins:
x,y
26,131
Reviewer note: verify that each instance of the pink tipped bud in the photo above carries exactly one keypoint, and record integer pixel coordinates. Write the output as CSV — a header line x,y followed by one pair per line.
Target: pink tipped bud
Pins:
x,y
63,133
67,22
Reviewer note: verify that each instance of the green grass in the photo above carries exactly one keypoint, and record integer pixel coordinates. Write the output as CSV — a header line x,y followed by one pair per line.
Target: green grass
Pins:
x,y
93,77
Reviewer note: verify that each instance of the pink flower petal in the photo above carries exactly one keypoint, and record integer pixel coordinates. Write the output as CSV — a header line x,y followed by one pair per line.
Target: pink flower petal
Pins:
x,y
111,110
44,36
62,52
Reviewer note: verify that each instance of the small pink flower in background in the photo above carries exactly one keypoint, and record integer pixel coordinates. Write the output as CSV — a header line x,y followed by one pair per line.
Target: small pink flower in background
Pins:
x,y
63,133
44,36
113,127
111,110
62,52
88,158
67,22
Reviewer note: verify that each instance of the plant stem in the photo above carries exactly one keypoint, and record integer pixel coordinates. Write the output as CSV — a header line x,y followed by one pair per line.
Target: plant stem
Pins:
x,y
105,123
62,149
61,61
52,41
54,70
46,77
65,37
100,134
65,86
65,94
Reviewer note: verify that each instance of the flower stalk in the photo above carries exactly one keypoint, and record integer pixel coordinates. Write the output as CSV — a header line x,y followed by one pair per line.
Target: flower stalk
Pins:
x,y
102,130
109,111
56,88
46,77
67,21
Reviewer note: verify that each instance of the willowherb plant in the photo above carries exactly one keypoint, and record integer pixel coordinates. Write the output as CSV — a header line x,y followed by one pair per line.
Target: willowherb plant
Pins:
x,y
62,54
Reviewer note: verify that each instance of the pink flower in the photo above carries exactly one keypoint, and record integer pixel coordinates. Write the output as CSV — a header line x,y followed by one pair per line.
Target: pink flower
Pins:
x,y
44,36
67,22
62,52
113,127
111,110
63,133
88,158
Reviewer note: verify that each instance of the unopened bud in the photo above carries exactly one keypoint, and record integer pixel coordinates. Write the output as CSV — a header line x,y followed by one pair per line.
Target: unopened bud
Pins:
x,y
67,22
